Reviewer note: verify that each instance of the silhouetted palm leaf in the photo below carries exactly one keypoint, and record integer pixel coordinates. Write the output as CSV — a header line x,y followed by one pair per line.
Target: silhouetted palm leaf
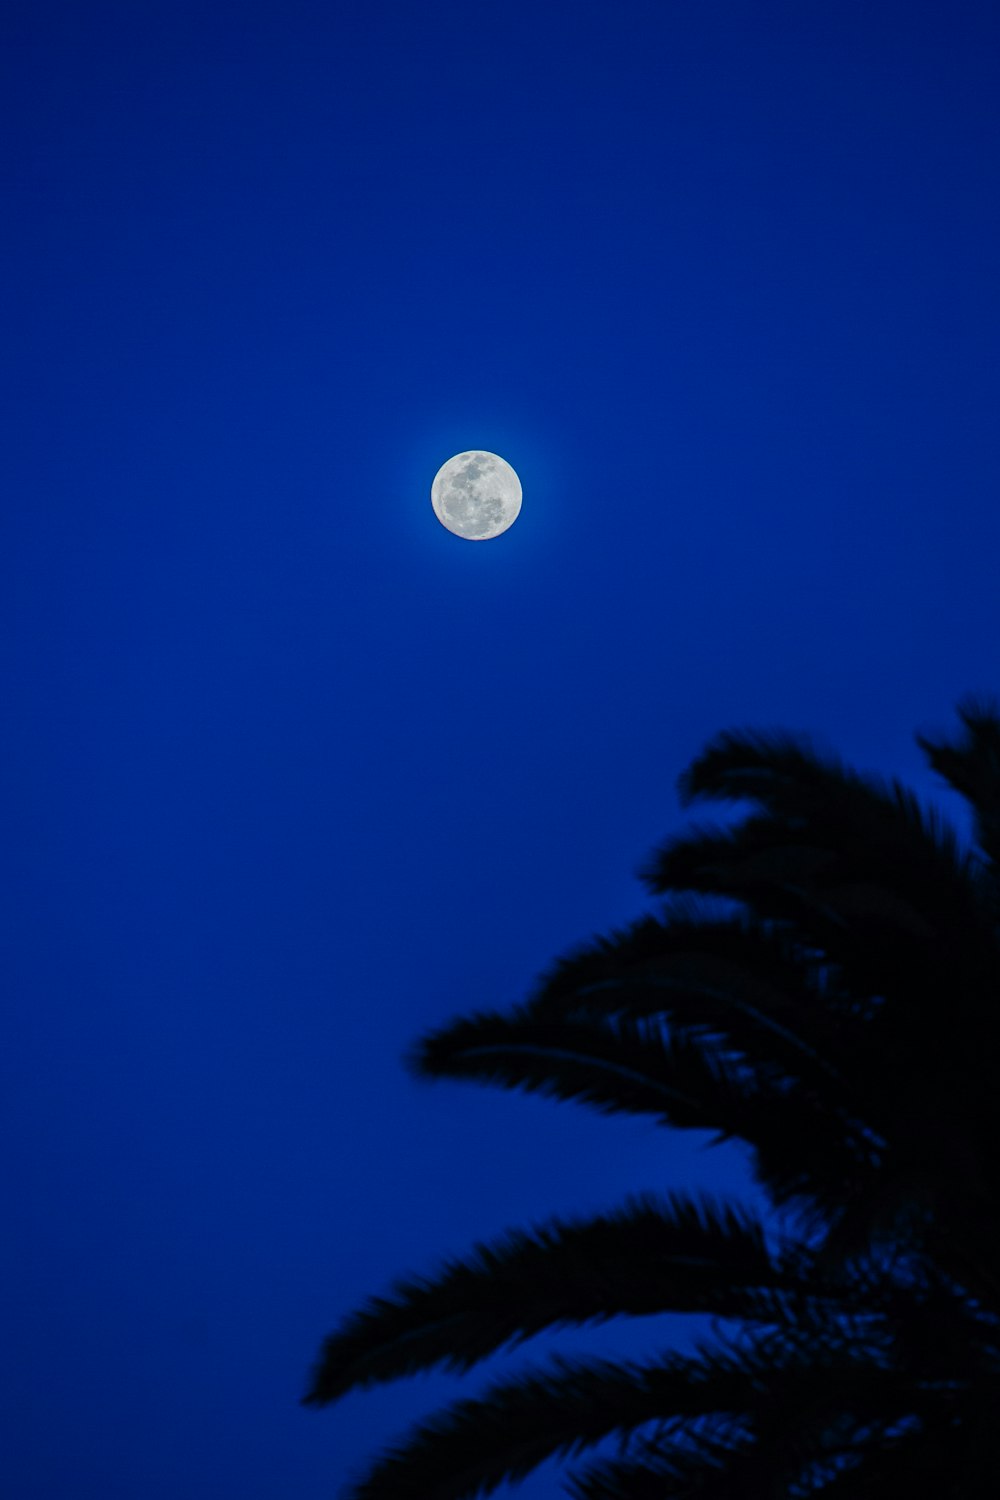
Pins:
x,y
673,1255
972,767
843,1022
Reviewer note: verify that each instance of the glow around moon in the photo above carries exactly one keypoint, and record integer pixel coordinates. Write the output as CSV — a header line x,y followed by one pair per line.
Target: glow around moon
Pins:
x,y
476,495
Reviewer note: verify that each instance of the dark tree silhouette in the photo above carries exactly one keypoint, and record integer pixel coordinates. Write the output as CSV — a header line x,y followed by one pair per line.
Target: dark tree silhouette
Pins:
x,y
822,983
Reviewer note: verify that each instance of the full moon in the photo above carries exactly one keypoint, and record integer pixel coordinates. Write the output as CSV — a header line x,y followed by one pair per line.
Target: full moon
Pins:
x,y
476,495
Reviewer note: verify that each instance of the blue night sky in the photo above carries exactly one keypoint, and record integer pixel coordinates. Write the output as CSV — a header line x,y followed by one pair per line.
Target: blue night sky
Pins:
x,y
292,774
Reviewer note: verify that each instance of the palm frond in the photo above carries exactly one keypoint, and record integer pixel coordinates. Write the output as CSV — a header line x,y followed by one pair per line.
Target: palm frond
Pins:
x,y
843,1023
971,765
617,1065
823,827
476,1445
806,1155
747,988
891,934
676,1254
802,786
712,1465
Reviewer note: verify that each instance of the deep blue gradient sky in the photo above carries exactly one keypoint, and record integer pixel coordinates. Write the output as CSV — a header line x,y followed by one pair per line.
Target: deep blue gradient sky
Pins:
x,y
291,774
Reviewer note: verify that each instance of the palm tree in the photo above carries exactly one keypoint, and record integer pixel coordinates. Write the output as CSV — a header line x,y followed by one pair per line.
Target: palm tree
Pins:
x,y
822,983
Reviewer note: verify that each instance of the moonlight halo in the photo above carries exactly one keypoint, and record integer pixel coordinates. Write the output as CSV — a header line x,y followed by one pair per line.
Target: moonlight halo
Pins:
x,y
476,495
